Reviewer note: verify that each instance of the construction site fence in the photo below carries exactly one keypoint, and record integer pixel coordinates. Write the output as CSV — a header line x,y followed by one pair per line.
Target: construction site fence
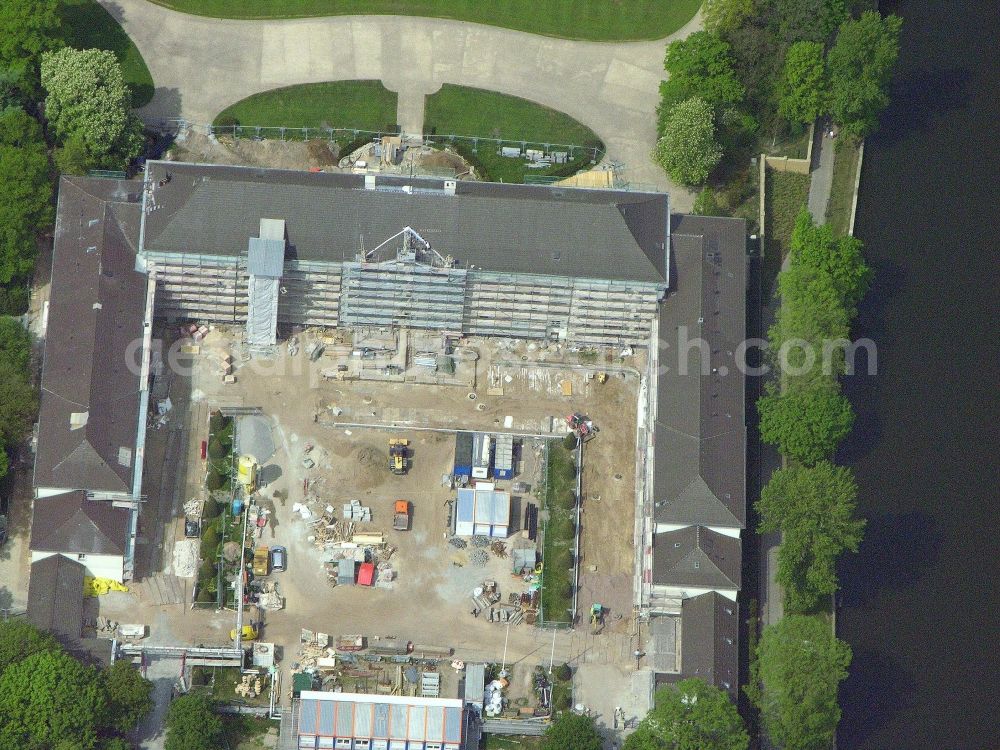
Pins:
x,y
595,152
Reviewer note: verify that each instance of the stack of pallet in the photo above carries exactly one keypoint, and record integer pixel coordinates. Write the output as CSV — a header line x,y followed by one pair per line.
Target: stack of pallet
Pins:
x,y
355,511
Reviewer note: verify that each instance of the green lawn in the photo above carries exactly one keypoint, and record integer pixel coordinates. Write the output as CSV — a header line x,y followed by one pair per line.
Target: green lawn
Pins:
x,y
785,195
364,105
466,111
496,742
559,531
86,25
845,168
604,20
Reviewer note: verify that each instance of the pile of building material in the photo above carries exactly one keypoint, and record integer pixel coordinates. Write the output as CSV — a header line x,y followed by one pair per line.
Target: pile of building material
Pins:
x,y
105,627
356,512
186,558
478,558
269,598
315,650
249,686
493,698
193,508
257,519
499,549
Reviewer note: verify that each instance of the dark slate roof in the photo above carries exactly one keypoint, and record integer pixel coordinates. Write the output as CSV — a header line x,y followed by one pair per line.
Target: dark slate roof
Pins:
x,y
97,300
710,628
56,605
55,597
505,228
73,523
700,434
698,557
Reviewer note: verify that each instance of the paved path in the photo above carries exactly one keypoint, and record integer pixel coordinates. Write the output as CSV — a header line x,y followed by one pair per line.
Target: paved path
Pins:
x,y
821,177
201,65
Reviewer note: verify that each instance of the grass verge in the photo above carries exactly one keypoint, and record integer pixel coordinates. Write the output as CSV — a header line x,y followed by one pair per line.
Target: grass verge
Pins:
x,y
784,196
86,25
845,169
566,19
467,111
559,530
365,105
494,742
244,732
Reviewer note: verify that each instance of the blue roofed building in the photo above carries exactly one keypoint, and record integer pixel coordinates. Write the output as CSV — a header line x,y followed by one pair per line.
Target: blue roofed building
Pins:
x,y
355,721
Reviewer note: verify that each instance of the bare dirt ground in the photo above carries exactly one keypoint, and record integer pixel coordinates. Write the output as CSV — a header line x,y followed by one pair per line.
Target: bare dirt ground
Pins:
x,y
192,145
517,387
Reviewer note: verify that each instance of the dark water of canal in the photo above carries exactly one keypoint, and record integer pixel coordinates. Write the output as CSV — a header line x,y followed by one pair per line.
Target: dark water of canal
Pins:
x,y
920,604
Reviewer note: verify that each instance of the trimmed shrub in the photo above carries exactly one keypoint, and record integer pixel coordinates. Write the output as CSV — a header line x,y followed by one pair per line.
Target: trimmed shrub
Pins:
x,y
569,442
217,450
564,673
211,509
210,543
214,481
207,569
216,422
563,702
205,596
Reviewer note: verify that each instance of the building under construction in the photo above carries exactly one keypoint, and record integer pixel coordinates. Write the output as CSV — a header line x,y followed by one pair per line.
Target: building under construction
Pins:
x,y
262,248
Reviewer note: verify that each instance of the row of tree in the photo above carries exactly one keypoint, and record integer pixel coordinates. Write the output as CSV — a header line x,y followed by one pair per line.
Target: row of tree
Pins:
x,y
803,412
17,394
49,699
764,68
799,663
71,104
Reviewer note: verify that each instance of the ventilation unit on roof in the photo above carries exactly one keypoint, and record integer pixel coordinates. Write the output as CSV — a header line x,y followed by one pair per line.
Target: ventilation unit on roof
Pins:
x,y
450,186
78,419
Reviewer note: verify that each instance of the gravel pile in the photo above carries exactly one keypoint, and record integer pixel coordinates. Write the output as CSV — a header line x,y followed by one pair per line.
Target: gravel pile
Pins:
x,y
481,542
479,558
457,543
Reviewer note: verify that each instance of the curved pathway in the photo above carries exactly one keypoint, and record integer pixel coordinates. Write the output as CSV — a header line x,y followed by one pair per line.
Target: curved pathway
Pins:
x,y
202,65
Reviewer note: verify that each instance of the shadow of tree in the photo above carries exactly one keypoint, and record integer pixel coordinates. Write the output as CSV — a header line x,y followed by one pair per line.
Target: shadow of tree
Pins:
x,y
87,25
898,549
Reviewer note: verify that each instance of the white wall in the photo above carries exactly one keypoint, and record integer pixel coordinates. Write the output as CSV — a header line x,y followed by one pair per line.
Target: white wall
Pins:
x,y
662,528
98,566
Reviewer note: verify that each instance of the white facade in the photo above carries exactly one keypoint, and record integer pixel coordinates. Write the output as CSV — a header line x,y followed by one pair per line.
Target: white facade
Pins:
x,y
98,566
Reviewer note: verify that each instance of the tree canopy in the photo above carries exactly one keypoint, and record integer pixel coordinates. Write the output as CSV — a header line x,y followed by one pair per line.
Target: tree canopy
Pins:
x,y
806,422
808,20
25,192
50,700
691,715
570,732
88,100
698,66
129,696
839,257
815,509
798,668
192,725
721,15
27,29
804,87
861,64
688,150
